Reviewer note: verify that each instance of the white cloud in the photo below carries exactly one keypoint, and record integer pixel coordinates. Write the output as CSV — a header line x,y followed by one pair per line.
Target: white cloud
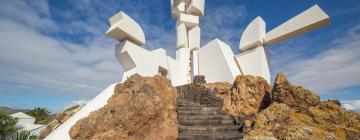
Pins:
x,y
79,102
351,104
331,69
34,14
34,62
224,22
29,58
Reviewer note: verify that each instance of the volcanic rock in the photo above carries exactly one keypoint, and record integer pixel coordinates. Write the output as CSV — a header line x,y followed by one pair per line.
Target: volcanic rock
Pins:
x,y
292,95
247,96
324,122
143,108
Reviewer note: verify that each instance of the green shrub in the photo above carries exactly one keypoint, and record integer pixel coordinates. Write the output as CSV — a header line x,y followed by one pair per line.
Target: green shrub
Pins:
x,y
7,125
21,135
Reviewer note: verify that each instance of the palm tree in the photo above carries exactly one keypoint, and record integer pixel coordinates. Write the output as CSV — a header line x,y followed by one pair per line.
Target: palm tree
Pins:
x,y
39,113
7,125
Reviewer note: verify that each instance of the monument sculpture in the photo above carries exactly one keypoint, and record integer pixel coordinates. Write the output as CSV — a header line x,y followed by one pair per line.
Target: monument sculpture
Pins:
x,y
215,60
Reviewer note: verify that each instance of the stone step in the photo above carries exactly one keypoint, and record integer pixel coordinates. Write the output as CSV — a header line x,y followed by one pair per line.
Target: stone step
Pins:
x,y
190,105
231,135
205,117
197,108
206,122
200,112
208,129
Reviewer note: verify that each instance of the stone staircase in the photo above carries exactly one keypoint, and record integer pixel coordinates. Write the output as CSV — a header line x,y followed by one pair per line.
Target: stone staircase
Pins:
x,y
204,122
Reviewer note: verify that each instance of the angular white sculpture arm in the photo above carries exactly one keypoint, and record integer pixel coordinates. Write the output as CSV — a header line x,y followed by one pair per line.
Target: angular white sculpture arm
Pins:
x,y
124,27
306,21
253,35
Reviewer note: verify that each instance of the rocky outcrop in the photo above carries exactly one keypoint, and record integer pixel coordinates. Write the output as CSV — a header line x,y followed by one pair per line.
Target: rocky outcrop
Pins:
x,y
324,122
60,119
247,96
144,108
141,108
292,95
311,119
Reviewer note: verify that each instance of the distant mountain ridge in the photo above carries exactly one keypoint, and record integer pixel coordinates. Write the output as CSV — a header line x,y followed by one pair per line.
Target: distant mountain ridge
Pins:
x,y
10,111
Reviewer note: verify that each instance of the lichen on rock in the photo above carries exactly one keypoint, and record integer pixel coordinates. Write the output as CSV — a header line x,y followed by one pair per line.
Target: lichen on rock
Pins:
x,y
141,108
293,95
285,119
247,96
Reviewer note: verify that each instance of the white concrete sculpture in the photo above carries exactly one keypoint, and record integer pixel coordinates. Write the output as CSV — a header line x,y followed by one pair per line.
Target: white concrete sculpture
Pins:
x,y
307,21
253,35
253,60
125,28
216,61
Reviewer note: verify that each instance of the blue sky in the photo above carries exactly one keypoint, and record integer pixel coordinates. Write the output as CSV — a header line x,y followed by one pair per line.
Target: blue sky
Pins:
x,y
55,54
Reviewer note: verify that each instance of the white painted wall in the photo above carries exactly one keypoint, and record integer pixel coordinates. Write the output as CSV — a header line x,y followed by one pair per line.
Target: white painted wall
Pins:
x,y
183,58
195,62
24,121
62,132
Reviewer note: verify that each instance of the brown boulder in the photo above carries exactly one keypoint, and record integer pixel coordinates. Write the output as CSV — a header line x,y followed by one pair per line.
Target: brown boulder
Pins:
x,y
247,96
323,122
292,95
141,108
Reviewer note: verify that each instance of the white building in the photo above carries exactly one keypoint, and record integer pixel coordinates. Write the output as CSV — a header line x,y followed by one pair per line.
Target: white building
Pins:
x,y
26,122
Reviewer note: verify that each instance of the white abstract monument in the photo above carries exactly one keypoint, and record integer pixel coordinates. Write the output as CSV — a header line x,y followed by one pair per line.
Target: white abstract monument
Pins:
x,y
215,60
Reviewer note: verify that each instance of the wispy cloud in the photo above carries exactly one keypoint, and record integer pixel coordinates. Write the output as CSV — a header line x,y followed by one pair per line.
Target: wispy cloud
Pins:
x,y
33,61
351,104
333,68
33,14
224,22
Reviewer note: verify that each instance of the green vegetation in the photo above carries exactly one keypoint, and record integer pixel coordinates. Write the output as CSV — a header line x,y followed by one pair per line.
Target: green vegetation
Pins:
x,y
33,137
46,121
7,125
39,114
71,108
21,135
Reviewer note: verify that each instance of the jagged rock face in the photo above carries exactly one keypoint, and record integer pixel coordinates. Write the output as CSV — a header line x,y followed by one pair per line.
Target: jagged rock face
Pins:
x,y
246,96
292,95
323,122
298,113
141,108
60,119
